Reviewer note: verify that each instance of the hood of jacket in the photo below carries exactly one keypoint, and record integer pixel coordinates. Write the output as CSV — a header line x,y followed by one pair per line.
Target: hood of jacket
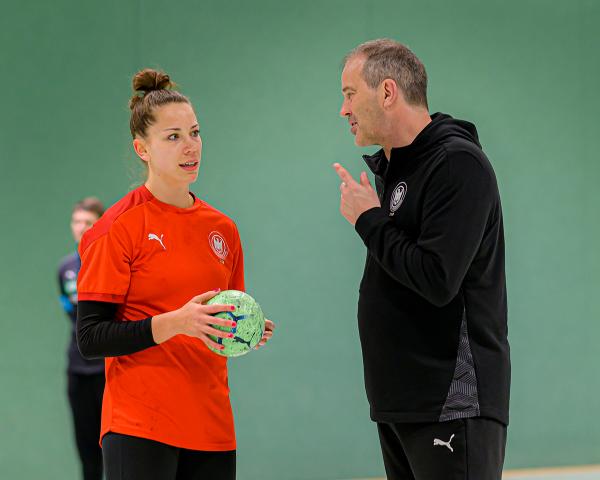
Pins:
x,y
441,129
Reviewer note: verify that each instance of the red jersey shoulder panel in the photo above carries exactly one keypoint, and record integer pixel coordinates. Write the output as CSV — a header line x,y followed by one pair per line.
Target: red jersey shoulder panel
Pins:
x,y
106,251
134,198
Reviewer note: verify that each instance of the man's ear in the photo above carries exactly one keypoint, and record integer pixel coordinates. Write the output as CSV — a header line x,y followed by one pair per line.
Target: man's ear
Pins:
x,y
389,92
140,147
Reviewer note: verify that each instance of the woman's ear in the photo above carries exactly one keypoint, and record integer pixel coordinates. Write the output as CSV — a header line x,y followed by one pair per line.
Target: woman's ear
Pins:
x,y
141,149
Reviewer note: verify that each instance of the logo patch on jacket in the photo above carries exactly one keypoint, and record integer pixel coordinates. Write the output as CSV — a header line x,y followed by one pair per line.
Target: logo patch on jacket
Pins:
x,y
219,245
397,197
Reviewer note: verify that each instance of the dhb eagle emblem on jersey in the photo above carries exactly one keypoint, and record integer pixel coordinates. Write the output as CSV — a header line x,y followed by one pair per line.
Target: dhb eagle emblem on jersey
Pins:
x,y
219,245
397,197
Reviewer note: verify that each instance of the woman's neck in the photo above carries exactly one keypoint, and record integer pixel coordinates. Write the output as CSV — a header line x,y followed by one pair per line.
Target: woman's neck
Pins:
x,y
177,196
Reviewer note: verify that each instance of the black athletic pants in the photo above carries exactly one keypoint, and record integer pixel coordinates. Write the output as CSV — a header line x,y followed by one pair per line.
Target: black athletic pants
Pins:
x,y
85,398
465,449
134,458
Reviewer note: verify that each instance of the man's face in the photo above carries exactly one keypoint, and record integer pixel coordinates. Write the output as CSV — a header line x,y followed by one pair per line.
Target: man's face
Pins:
x,y
360,105
81,222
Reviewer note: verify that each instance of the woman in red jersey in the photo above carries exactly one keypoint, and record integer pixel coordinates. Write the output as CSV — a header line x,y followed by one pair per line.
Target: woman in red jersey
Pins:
x,y
166,412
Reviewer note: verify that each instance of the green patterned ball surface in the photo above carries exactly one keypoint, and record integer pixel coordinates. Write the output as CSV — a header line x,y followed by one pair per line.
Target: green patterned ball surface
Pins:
x,y
250,323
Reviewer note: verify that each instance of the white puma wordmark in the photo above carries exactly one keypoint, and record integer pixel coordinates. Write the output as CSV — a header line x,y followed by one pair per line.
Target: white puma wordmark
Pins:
x,y
437,442
153,236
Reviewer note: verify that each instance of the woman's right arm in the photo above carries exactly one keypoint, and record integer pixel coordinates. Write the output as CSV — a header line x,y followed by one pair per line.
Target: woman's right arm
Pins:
x,y
100,334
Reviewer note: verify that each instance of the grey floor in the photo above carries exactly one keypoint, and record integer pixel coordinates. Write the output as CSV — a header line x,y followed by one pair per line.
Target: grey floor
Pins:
x,y
565,475
558,476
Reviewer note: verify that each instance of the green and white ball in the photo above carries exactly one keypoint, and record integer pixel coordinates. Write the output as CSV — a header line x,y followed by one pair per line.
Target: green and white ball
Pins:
x,y
250,323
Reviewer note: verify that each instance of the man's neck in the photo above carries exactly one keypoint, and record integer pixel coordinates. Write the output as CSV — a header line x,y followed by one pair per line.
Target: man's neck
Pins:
x,y
404,130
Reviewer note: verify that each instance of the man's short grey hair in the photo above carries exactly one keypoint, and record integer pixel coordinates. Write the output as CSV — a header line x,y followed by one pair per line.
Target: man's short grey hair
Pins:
x,y
386,58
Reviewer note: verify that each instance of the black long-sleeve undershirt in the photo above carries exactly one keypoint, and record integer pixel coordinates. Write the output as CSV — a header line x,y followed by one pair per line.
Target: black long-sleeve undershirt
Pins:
x,y
100,334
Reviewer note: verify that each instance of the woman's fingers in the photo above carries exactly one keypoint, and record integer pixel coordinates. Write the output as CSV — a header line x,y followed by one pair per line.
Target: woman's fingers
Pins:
x,y
210,320
217,333
265,338
216,308
206,296
211,343
266,335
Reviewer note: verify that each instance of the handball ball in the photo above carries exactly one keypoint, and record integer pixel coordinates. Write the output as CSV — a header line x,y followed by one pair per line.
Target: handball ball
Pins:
x,y
250,323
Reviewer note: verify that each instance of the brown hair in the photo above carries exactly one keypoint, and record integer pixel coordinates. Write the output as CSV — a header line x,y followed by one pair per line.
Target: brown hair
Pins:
x,y
90,204
152,89
385,58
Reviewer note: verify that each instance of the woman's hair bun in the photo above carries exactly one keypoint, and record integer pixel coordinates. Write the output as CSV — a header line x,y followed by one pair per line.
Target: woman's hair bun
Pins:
x,y
146,81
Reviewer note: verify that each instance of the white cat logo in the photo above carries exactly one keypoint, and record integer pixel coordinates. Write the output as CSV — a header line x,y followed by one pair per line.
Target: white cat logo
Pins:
x,y
219,245
153,236
440,443
397,197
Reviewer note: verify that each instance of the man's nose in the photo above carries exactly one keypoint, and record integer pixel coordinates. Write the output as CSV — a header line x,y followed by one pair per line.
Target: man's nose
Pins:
x,y
344,111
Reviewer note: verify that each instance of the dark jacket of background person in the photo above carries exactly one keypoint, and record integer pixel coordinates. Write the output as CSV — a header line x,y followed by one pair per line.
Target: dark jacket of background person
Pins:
x,y
67,281
85,379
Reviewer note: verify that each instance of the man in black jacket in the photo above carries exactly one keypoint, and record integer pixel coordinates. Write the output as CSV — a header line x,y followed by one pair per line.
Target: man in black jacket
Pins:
x,y
432,306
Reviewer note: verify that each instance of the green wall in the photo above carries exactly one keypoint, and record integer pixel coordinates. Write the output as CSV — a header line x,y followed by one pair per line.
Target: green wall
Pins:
x,y
264,77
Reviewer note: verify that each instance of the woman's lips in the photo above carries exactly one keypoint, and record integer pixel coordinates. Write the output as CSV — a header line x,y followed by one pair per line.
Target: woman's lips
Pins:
x,y
189,166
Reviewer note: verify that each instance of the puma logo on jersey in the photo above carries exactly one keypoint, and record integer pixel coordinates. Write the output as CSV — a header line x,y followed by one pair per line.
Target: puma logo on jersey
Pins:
x,y
440,443
153,236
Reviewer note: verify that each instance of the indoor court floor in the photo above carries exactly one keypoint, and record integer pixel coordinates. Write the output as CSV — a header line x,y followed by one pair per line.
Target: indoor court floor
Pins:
x,y
587,472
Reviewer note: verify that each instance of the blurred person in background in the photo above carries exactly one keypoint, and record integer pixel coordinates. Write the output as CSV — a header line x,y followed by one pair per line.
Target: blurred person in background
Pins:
x,y
85,378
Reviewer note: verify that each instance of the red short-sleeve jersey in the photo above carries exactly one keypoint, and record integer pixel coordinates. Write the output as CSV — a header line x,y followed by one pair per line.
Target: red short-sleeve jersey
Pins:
x,y
152,258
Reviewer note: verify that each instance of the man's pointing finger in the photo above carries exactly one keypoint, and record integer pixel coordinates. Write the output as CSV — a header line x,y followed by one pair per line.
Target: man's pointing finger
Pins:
x,y
343,174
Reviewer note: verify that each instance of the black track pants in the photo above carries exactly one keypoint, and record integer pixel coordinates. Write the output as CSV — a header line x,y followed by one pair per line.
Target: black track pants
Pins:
x,y
134,458
85,398
465,449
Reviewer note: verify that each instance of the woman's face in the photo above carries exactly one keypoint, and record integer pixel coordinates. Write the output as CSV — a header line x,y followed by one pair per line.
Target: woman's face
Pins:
x,y
172,147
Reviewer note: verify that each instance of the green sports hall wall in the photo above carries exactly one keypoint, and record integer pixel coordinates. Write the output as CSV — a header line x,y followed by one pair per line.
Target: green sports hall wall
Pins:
x,y
264,78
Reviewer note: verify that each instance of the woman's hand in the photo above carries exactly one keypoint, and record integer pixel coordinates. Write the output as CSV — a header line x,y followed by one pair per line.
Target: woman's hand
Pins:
x,y
269,327
194,319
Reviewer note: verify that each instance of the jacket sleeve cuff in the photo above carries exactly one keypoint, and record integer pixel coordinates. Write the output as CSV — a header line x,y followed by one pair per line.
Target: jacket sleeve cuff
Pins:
x,y
368,220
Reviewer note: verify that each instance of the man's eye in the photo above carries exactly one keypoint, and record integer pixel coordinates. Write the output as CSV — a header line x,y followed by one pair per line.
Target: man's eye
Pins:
x,y
173,136
195,133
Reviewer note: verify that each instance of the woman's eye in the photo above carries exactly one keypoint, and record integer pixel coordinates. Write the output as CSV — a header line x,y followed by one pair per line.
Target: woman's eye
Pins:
x,y
173,136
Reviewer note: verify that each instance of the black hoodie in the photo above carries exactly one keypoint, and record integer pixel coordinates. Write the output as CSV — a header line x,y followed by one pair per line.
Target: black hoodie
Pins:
x,y
432,306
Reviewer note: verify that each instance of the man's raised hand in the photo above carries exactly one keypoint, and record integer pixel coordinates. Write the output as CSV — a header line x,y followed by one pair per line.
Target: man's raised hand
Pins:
x,y
356,198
